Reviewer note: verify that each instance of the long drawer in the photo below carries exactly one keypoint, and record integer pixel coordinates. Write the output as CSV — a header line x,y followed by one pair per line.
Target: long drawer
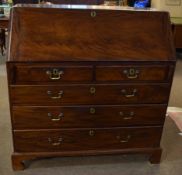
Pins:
x,y
86,139
89,94
24,117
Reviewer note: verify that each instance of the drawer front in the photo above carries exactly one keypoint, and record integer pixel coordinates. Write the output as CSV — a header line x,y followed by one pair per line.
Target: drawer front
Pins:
x,y
89,94
86,139
132,73
52,73
86,116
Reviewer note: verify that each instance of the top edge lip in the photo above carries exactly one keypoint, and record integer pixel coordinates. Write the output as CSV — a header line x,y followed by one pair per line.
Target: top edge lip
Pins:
x,y
84,7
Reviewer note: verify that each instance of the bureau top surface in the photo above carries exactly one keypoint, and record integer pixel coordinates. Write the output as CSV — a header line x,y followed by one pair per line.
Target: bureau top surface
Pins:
x,y
88,33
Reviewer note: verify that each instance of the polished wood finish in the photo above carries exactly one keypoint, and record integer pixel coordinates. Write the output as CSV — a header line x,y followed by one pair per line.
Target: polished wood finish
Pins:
x,y
38,73
86,139
17,162
155,157
178,35
93,91
18,159
81,94
24,117
122,73
149,41
34,73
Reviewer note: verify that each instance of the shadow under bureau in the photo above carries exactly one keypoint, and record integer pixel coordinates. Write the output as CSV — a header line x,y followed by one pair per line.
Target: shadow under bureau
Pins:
x,y
91,81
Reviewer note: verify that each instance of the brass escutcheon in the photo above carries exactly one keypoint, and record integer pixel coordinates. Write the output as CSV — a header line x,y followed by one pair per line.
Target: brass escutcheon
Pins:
x,y
92,110
91,133
92,90
93,14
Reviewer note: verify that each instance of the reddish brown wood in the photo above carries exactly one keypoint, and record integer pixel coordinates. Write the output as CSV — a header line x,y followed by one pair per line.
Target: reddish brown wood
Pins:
x,y
141,73
86,139
178,35
17,162
36,73
26,117
32,73
131,39
105,43
20,157
155,157
82,95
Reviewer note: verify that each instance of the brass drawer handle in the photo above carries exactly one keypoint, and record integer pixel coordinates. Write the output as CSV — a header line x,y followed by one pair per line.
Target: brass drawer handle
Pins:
x,y
121,140
92,110
57,118
59,95
131,115
91,133
124,92
92,90
131,73
53,143
55,74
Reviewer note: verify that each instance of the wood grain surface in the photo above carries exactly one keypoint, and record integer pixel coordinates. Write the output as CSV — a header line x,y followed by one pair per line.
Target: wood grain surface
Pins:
x,y
31,117
82,139
84,34
88,80
81,94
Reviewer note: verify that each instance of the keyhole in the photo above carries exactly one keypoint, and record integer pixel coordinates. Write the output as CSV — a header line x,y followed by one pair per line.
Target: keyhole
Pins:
x,y
93,14
131,71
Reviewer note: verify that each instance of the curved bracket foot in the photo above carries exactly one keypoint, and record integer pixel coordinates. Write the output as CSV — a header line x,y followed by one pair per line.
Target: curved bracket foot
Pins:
x,y
155,157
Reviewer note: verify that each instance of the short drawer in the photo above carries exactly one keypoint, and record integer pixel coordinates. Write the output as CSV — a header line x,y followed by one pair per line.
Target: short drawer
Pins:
x,y
24,117
86,139
132,73
50,73
89,94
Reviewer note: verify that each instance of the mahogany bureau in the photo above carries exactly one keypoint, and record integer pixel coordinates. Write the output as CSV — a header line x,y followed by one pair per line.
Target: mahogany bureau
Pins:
x,y
92,80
